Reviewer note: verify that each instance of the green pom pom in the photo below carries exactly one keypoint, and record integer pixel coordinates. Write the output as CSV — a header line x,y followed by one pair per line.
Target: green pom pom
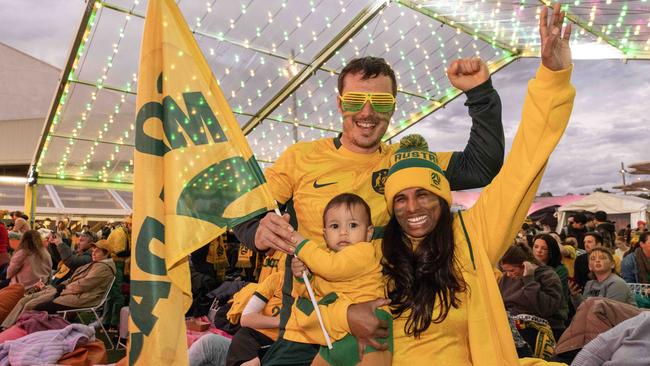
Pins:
x,y
416,142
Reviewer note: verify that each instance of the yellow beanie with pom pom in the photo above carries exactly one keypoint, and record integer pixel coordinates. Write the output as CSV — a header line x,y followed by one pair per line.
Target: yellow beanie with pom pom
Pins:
x,y
413,165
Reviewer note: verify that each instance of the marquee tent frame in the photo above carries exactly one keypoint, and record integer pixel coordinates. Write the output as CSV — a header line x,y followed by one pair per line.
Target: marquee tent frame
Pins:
x,y
88,136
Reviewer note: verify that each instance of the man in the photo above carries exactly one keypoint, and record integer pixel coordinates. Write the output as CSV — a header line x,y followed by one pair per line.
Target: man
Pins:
x,y
605,228
592,239
69,261
636,265
577,229
308,175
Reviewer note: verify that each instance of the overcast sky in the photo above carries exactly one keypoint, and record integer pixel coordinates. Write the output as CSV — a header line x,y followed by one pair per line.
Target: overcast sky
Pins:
x,y
610,121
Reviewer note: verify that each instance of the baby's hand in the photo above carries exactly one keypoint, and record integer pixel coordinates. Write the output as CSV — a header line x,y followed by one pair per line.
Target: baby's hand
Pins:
x,y
296,239
297,267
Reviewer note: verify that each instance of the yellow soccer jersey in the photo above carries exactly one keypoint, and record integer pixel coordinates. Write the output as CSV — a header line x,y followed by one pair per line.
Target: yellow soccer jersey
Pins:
x,y
270,290
310,174
272,264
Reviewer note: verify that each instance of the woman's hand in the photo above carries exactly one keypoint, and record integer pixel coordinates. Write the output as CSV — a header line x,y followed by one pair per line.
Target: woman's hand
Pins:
x,y
365,325
297,267
556,51
529,268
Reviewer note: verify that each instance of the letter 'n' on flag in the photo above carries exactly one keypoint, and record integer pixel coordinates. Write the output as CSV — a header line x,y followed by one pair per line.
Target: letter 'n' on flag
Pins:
x,y
195,175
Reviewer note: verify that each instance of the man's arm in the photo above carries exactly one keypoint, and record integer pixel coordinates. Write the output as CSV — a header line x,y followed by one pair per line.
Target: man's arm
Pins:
x,y
70,259
245,232
270,231
482,157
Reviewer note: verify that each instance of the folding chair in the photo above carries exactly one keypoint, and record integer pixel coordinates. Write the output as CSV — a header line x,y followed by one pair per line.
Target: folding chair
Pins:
x,y
123,331
642,289
94,310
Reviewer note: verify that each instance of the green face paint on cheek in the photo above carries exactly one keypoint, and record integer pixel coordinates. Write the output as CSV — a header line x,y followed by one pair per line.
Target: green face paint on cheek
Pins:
x,y
399,210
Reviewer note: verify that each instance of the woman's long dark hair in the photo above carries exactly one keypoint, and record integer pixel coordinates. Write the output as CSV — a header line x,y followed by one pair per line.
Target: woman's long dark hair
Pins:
x,y
425,278
554,254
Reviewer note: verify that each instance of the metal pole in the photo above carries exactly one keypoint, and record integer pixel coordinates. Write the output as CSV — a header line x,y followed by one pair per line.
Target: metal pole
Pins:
x,y
623,171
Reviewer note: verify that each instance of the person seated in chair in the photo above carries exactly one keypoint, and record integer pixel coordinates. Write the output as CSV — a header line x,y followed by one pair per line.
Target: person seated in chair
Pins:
x,y
70,259
31,263
88,284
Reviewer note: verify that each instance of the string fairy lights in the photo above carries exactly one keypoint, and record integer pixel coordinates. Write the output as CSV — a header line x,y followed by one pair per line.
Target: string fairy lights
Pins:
x,y
256,48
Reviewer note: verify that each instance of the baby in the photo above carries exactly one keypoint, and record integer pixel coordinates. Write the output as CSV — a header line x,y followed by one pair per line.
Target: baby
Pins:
x,y
350,268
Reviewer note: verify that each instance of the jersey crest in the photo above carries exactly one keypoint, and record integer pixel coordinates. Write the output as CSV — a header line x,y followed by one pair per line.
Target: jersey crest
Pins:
x,y
378,180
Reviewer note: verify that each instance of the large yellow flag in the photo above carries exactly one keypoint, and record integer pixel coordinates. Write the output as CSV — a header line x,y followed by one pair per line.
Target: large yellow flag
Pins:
x,y
195,175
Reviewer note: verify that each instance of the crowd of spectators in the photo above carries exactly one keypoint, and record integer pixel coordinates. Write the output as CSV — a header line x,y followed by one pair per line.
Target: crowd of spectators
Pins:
x,y
550,277
50,266
546,281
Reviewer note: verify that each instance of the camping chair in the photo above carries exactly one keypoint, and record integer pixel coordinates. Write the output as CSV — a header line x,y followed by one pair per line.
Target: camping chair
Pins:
x,y
641,293
642,289
94,310
123,332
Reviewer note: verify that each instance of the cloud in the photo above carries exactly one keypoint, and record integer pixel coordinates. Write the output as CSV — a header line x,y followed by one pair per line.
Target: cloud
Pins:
x,y
609,122
608,125
43,29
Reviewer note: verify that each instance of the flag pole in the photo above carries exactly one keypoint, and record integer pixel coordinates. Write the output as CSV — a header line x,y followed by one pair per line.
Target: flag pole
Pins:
x,y
312,297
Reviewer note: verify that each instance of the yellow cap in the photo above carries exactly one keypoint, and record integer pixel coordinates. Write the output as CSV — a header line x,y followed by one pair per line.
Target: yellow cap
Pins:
x,y
103,244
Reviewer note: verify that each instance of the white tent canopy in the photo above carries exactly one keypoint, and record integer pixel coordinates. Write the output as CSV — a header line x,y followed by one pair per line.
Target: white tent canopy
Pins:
x,y
632,208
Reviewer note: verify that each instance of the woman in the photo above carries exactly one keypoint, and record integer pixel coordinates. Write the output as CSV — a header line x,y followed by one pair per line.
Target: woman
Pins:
x,y
88,283
445,301
546,249
621,247
529,286
605,282
31,262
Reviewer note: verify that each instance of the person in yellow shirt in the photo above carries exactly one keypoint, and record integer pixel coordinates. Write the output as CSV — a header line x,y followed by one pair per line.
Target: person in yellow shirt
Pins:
x,y
349,267
443,294
259,323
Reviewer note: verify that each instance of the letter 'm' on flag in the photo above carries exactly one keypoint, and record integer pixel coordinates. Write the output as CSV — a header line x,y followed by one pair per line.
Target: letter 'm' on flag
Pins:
x,y
195,175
